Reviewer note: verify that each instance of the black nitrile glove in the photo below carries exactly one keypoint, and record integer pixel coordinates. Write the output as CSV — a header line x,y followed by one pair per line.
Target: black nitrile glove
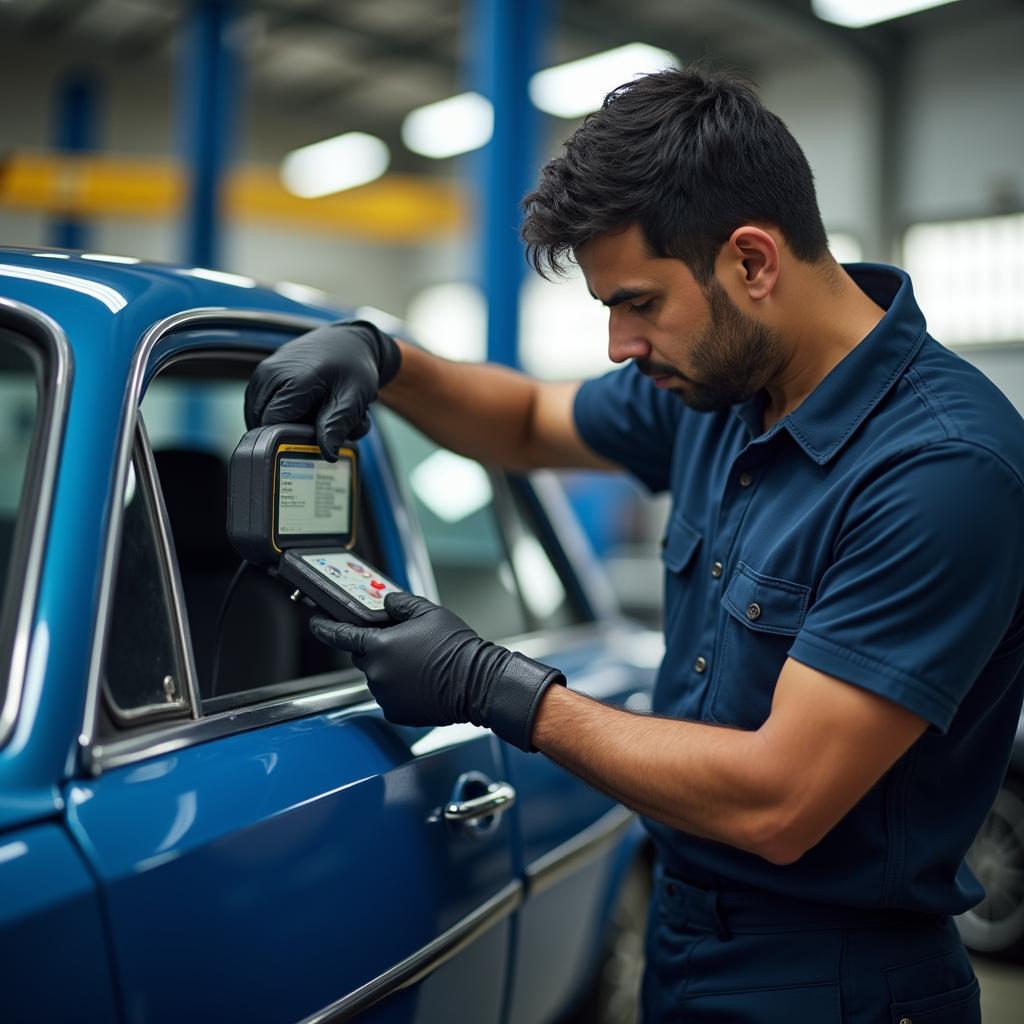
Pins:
x,y
328,377
430,668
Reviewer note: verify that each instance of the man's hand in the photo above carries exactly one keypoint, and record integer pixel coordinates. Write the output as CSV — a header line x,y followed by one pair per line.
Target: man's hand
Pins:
x,y
328,377
430,668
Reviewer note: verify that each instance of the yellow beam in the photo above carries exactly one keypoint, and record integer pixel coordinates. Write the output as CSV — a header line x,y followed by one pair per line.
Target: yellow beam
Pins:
x,y
396,208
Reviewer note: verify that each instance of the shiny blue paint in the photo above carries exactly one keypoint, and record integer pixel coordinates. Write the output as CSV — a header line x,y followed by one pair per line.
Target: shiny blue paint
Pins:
x,y
50,915
294,863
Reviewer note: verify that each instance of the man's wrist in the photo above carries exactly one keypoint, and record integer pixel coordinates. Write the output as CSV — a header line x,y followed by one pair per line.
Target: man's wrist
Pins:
x,y
515,697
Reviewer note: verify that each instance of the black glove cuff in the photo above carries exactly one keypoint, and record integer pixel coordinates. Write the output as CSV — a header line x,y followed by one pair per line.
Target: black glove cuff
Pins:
x,y
515,698
389,355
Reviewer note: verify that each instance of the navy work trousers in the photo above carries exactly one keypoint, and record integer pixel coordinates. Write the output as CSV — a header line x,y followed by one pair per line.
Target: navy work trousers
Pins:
x,y
734,958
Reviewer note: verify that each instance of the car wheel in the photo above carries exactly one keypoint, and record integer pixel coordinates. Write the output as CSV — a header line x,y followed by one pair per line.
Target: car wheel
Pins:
x,y
614,996
996,925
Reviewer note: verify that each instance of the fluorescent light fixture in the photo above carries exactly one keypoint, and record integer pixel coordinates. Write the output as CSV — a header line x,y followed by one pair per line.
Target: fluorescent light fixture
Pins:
x,y
102,257
845,248
451,486
220,276
563,310
53,255
449,127
334,165
858,13
450,320
967,276
576,88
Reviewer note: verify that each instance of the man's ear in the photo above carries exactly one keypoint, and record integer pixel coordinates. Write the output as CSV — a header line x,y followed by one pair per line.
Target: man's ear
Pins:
x,y
750,260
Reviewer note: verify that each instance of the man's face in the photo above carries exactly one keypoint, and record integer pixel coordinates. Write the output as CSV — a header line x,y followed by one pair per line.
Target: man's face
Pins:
x,y
689,339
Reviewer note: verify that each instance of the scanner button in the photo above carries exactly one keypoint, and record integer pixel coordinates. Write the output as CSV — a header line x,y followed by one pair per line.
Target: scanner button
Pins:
x,y
377,585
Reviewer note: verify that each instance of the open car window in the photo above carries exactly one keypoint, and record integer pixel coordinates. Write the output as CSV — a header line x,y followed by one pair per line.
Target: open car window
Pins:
x,y
257,645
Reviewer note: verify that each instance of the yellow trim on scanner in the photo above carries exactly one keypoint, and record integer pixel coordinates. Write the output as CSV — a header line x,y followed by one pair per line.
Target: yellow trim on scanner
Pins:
x,y
312,449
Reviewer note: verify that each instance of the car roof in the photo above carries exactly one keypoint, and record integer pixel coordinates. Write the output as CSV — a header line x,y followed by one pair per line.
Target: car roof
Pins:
x,y
92,295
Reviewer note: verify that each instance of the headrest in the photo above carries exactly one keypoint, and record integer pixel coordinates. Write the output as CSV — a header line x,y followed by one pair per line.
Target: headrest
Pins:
x,y
195,488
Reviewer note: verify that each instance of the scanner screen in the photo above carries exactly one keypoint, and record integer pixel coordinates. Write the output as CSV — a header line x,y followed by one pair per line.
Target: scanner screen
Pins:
x,y
314,496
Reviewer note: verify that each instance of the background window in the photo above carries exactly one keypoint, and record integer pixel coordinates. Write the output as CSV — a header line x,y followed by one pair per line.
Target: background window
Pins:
x,y
453,499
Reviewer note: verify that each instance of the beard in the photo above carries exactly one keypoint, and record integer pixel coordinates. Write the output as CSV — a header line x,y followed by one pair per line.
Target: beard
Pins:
x,y
733,359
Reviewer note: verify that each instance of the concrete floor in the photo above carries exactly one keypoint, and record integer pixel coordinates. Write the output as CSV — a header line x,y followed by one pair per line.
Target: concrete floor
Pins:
x,y
1002,991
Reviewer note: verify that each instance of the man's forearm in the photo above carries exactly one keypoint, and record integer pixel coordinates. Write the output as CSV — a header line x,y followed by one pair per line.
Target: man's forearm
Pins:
x,y
703,779
480,410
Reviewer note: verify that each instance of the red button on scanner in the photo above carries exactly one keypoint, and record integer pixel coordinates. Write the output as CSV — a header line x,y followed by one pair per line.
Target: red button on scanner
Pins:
x,y
377,585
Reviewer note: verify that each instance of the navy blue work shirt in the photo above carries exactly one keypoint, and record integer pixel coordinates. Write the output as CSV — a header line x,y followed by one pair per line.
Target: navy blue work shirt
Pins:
x,y
876,534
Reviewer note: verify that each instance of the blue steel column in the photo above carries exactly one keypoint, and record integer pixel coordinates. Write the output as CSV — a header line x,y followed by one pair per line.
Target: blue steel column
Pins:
x,y
207,98
76,132
508,39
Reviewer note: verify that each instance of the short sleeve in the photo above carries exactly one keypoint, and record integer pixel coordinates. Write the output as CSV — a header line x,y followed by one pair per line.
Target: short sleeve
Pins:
x,y
623,417
927,577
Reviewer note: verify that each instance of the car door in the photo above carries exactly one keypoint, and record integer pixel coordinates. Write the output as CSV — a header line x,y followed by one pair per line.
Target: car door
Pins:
x,y
500,564
268,848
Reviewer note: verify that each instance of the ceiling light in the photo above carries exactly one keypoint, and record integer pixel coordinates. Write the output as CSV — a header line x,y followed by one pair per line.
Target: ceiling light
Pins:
x,y
576,88
858,13
449,127
334,165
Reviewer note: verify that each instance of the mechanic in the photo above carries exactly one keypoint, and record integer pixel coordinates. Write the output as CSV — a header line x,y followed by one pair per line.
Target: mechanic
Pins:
x,y
844,563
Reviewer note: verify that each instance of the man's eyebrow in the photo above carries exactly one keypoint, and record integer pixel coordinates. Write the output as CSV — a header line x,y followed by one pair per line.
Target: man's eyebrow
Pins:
x,y
622,295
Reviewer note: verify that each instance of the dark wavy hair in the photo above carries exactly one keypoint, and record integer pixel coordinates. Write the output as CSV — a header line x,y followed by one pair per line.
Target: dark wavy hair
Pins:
x,y
688,155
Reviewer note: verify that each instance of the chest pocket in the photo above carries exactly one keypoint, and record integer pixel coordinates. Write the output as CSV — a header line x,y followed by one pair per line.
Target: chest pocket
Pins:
x,y
679,544
763,616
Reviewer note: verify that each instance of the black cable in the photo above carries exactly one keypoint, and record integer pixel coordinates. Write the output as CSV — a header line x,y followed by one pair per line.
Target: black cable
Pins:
x,y
220,624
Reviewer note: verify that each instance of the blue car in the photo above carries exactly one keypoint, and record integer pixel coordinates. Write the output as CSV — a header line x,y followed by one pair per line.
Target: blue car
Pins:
x,y
203,813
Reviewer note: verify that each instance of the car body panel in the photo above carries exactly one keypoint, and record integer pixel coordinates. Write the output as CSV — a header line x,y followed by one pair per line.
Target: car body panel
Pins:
x,y
50,915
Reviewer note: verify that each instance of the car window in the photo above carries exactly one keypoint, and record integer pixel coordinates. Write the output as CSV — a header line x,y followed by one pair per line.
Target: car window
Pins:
x,y
550,593
143,671
454,502
249,640
20,383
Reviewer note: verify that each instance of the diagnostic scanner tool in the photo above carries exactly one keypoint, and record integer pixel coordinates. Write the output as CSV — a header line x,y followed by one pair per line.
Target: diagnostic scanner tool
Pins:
x,y
294,512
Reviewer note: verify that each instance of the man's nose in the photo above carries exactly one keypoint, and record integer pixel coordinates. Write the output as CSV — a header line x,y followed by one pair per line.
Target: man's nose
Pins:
x,y
624,343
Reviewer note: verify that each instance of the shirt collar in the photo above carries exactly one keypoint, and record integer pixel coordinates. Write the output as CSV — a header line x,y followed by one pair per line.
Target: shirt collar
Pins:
x,y
828,416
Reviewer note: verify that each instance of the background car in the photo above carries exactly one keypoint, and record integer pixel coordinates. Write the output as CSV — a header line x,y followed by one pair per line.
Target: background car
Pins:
x,y
996,925
203,813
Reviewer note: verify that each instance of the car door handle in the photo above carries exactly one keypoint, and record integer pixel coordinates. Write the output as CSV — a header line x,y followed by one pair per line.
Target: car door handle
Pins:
x,y
499,797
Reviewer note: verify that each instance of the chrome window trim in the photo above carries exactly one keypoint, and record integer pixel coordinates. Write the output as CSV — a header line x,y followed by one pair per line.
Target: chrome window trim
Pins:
x,y
353,697
426,959
572,855
200,317
188,700
42,328
570,536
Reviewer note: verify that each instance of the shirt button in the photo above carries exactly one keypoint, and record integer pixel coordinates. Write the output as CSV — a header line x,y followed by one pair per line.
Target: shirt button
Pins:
x,y
717,569
746,479
700,664
753,612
